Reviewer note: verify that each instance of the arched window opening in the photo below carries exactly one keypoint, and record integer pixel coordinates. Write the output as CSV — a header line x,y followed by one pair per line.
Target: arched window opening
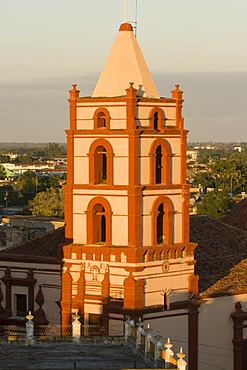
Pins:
x,y
156,117
101,162
175,254
160,218
99,225
100,165
158,172
104,166
162,221
168,254
101,120
99,221
156,120
103,228
160,162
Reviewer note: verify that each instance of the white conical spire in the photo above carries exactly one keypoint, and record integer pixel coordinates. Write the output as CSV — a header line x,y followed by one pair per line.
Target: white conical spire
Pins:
x,y
125,64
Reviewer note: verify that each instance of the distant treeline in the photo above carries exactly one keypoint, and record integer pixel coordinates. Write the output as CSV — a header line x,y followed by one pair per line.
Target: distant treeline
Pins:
x,y
218,145
33,149
59,149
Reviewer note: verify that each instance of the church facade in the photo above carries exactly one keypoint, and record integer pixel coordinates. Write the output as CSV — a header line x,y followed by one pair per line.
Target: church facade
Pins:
x,y
126,198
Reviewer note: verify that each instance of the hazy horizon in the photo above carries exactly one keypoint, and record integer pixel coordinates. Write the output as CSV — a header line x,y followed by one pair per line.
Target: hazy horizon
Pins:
x,y
200,45
214,106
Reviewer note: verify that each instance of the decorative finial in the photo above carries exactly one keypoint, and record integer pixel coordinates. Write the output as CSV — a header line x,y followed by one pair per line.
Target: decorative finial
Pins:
x,y
29,316
139,323
76,316
125,27
168,344
238,307
181,355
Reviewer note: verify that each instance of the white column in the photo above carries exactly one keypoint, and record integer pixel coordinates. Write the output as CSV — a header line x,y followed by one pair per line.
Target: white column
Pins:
x,y
157,354
128,324
148,337
76,327
29,329
168,352
181,363
139,331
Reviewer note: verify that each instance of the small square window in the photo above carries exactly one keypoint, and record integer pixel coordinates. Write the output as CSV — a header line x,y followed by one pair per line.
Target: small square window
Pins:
x,y
21,304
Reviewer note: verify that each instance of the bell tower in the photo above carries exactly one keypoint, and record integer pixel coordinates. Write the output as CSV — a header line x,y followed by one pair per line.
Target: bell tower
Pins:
x,y
126,198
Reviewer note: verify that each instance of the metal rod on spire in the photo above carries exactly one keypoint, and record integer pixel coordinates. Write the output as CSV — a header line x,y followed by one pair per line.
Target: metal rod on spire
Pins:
x,y
126,11
136,20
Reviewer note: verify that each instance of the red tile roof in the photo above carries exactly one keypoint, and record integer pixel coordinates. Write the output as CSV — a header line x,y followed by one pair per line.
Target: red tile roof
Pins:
x,y
234,282
45,248
238,215
221,248
221,254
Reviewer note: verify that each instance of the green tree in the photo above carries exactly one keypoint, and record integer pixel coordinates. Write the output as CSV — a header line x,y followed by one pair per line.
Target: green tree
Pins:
x,y
49,203
2,173
27,184
230,175
204,179
215,204
54,150
13,196
4,158
54,181
46,182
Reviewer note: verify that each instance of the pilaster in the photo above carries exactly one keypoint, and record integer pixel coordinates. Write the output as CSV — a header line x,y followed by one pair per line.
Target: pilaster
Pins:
x,y
177,94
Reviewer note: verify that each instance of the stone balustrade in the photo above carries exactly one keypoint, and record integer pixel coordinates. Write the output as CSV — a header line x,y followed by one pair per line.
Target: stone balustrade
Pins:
x,y
151,346
148,345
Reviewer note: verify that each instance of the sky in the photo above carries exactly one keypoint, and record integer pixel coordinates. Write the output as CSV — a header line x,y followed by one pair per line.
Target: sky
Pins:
x,y
47,45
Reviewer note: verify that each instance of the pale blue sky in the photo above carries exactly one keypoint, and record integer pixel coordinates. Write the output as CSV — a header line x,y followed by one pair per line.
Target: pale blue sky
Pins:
x,y
48,45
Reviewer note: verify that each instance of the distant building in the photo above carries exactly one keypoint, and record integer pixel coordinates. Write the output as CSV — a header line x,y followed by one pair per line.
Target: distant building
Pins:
x,y
192,155
238,148
19,168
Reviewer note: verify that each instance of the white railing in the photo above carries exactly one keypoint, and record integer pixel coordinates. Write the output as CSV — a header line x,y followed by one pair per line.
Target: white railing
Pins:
x,y
145,343
152,347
